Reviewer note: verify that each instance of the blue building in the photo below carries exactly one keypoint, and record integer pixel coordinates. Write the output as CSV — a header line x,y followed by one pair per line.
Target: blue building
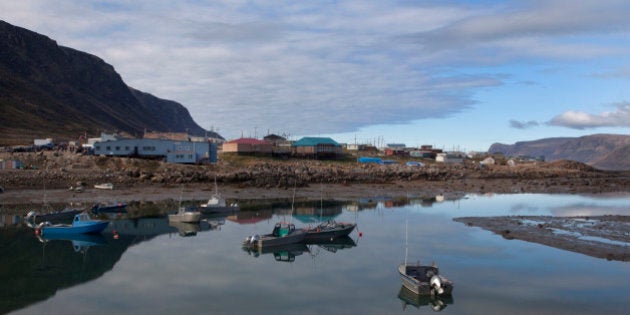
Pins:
x,y
172,151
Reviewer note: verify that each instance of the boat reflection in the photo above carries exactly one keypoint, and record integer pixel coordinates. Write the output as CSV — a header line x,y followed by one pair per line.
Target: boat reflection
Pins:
x,y
437,303
283,253
80,242
287,253
185,229
344,242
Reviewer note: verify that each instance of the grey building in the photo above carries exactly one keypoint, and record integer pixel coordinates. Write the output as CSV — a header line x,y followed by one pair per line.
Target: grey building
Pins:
x,y
170,150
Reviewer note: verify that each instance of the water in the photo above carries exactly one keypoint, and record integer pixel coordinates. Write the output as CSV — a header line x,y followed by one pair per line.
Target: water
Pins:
x,y
152,269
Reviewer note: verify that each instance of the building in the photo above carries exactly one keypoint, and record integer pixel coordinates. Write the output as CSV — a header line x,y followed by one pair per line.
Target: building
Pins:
x,y
320,148
169,150
247,146
449,158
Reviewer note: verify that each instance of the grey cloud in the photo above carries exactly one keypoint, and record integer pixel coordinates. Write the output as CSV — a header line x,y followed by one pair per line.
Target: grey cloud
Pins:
x,y
523,124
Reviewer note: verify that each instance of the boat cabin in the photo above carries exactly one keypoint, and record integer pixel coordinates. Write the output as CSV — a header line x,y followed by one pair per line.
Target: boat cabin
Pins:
x,y
283,229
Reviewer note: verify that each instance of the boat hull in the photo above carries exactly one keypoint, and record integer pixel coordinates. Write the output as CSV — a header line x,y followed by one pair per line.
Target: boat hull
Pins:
x,y
322,233
186,217
411,281
268,240
86,228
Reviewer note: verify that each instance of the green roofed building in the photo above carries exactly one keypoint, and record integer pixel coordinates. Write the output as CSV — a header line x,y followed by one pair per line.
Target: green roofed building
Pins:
x,y
320,148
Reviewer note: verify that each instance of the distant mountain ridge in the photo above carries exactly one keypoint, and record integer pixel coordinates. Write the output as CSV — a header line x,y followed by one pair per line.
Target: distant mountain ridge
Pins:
x,y
47,90
603,151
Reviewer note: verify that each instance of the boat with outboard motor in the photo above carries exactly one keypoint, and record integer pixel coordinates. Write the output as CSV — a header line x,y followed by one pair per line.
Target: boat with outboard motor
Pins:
x,y
424,280
283,233
82,224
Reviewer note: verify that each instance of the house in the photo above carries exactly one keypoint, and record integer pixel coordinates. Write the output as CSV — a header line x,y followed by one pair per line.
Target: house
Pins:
x,y
449,158
169,150
316,147
247,146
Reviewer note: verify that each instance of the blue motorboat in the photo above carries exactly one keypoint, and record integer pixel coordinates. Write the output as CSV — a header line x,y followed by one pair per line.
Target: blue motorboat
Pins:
x,y
82,224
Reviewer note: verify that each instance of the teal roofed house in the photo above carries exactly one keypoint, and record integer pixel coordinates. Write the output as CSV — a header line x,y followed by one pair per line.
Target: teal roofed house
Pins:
x,y
320,148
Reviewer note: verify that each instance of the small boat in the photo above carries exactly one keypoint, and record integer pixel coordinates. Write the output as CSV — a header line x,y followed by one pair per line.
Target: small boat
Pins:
x,y
108,186
185,215
66,215
328,230
82,224
111,207
217,204
283,233
424,280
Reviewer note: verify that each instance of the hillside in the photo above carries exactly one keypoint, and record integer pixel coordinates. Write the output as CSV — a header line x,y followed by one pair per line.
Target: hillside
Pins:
x,y
603,151
47,90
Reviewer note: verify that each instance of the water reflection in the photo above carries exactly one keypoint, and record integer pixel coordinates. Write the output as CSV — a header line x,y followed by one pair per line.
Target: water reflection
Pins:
x,y
435,302
287,253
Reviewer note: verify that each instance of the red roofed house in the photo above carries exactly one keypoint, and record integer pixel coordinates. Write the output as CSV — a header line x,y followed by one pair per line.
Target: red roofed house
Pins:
x,y
247,145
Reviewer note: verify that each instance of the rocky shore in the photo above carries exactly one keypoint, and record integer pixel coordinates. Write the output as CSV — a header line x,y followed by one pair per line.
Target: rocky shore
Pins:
x,y
258,178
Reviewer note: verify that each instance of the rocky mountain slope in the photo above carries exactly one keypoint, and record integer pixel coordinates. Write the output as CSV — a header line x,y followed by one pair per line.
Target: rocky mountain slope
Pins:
x,y
603,151
47,90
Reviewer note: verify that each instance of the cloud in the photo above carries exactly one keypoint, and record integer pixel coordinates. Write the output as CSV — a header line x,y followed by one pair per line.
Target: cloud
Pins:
x,y
524,124
311,67
583,120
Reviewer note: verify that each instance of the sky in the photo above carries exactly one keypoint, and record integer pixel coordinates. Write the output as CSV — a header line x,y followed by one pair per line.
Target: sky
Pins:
x,y
458,75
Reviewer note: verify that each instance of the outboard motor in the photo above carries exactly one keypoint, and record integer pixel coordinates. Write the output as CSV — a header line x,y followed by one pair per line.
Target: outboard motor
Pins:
x,y
436,284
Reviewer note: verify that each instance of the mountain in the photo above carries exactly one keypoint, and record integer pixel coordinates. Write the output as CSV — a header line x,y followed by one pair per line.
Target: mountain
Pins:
x,y
47,90
603,151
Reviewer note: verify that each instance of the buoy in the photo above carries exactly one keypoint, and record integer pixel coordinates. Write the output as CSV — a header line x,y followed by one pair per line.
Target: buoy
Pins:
x,y
360,234
115,236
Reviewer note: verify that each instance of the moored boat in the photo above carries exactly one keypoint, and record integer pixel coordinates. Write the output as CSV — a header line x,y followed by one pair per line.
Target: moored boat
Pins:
x,y
108,186
217,204
82,224
424,279
283,233
328,230
185,215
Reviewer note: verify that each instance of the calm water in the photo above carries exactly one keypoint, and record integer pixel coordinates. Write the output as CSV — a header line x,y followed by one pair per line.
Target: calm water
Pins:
x,y
152,268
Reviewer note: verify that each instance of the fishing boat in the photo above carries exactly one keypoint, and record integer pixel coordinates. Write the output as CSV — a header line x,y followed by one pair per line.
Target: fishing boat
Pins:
x,y
217,204
328,230
82,224
423,279
283,233
108,186
185,215
109,207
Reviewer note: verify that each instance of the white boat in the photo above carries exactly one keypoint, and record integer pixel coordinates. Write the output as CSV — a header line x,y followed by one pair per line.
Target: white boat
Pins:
x,y
217,204
109,186
185,215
